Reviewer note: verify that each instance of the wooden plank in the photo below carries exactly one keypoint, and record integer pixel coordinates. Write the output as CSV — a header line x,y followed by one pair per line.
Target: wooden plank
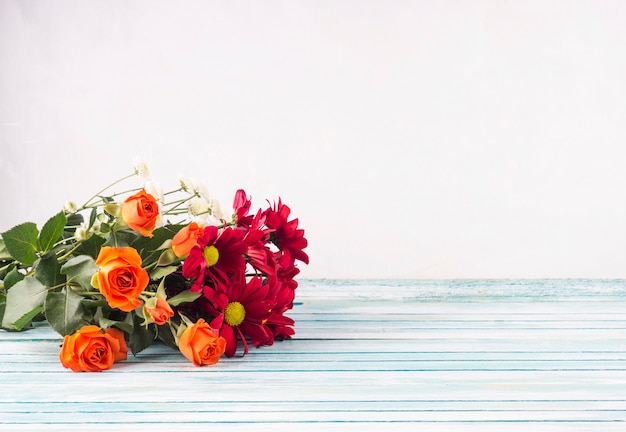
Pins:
x,y
368,355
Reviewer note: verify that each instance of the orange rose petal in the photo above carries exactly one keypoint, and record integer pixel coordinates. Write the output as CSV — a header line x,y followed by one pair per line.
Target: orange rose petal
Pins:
x,y
140,212
200,345
122,349
121,279
90,350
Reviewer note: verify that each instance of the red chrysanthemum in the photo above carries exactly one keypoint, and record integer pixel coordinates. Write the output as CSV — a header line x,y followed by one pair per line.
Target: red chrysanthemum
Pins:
x,y
241,205
283,294
260,257
285,234
243,313
216,257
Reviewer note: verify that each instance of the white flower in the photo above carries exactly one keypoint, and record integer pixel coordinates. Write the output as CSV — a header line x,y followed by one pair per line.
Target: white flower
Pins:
x,y
95,227
206,219
186,183
155,189
70,207
141,169
82,232
216,209
202,191
198,206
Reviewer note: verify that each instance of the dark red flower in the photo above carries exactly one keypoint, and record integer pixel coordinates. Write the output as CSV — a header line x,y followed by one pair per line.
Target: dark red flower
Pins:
x,y
283,294
217,256
241,205
285,234
260,257
245,309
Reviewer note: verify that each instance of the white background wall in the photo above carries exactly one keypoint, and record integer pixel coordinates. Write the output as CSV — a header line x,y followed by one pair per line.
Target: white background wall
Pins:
x,y
426,139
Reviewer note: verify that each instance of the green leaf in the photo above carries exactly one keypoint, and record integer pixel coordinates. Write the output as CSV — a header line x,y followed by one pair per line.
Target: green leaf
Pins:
x,y
142,337
12,278
21,242
4,253
91,246
47,271
120,238
125,326
28,318
166,335
93,304
160,272
92,217
183,297
64,311
145,245
79,270
52,231
24,301
73,221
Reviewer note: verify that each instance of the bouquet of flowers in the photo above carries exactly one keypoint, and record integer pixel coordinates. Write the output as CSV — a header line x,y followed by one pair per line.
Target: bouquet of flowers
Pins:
x,y
127,269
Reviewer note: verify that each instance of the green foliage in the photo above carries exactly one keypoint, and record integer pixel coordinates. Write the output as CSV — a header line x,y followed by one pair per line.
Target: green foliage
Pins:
x,y
142,336
120,238
65,311
4,253
184,297
21,242
27,318
52,231
125,323
47,270
12,278
161,272
73,220
148,245
24,302
91,246
79,270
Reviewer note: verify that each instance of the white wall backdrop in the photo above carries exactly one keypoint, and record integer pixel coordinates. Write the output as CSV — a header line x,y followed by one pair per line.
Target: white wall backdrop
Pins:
x,y
422,139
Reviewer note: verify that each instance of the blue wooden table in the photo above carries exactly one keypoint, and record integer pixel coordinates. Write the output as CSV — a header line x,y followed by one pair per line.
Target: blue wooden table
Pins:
x,y
503,355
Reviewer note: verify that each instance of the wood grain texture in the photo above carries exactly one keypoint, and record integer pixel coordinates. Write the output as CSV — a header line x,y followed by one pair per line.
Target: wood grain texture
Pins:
x,y
541,355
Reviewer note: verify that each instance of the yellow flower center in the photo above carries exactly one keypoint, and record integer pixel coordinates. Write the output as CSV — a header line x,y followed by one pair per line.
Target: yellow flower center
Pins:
x,y
211,255
234,313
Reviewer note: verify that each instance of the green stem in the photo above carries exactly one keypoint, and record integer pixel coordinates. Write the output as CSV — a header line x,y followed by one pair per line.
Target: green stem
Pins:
x,y
151,266
173,191
97,194
70,252
179,203
7,266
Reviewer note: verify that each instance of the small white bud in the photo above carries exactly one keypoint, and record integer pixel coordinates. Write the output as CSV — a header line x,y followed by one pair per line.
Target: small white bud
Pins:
x,y
95,227
70,207
82,232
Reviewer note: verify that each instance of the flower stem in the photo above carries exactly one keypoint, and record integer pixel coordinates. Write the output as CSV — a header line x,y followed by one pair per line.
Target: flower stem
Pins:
x,y
70,252
97,194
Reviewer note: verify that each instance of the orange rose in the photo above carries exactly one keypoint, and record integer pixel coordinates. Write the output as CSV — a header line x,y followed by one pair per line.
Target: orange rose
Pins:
x,y
140,212
200,344
120,277
186,239
159,314
91,350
